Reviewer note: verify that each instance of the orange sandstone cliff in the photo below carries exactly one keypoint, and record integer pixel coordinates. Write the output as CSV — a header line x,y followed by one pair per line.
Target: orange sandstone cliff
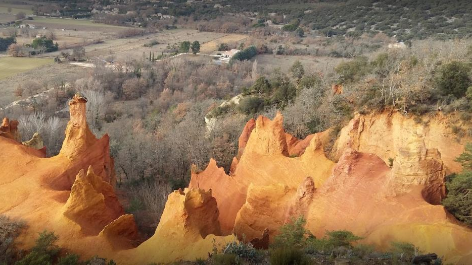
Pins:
x,y
269,184
72,195
385,185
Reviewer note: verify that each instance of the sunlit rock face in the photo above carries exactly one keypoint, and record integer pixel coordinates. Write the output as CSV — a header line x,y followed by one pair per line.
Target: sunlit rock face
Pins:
x,y
384,185
72,195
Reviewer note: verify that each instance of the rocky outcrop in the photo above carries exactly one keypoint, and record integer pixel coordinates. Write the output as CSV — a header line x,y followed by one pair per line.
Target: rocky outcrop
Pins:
x,y
293,146
244,137
92,203
230,194
265,208
300,204
386,134
122,233
186,231
9,129
35,142
420,153
82,149
78,135
387,179
276,178
357,198
265,161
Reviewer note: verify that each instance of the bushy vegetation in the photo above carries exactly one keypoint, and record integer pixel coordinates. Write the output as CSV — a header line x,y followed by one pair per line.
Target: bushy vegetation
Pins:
x,y
9,231
5,42
44,44
245,54
46,252
453,79
459,186
288,256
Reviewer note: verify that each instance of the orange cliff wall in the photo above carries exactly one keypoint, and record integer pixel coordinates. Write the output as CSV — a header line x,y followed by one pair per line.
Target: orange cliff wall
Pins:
x,y
265,161
72,195
275,177
268,186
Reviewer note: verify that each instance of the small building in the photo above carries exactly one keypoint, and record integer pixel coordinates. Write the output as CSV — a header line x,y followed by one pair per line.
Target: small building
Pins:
x,y
229,54
398,45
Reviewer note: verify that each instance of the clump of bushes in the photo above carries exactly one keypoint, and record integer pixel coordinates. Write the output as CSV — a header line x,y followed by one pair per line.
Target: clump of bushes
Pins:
x,y
453,79
237,253
288,256
45,251
243,251
245,54
458,200
9,230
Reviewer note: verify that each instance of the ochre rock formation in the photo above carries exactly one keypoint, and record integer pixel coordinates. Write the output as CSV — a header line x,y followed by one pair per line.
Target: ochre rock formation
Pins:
x,y
9,129
231,194
357,198
385,186
121,233
265,161
295,146
386,134
81,149
35,142
187,230
72,195
92,203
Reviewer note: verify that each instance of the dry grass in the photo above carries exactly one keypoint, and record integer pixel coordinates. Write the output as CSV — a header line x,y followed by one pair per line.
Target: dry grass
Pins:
x,y
27,9
212,46
312,64
74,24
9,230
11,65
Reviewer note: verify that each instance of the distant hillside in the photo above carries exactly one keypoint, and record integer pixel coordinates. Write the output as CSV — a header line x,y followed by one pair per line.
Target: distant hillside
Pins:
x,y
407,19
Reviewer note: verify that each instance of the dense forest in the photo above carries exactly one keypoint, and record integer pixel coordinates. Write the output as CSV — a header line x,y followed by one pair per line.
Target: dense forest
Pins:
x,y
403,19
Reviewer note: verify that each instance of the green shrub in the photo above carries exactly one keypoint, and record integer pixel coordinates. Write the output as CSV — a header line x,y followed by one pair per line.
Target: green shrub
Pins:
x,y
354,70
342,238
288,256
226,259
283,94
309,81
332,241
362,250
251,105
45,43
135,205
297,70
260,87
453,79
342,106
292,234
245,54
44,252
404,250
458,200
6,42
184,46
243,251
223,47
71,259
9,231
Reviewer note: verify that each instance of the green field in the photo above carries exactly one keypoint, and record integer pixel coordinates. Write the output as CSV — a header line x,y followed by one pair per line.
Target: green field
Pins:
x,y
72,22
15,9
10,66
